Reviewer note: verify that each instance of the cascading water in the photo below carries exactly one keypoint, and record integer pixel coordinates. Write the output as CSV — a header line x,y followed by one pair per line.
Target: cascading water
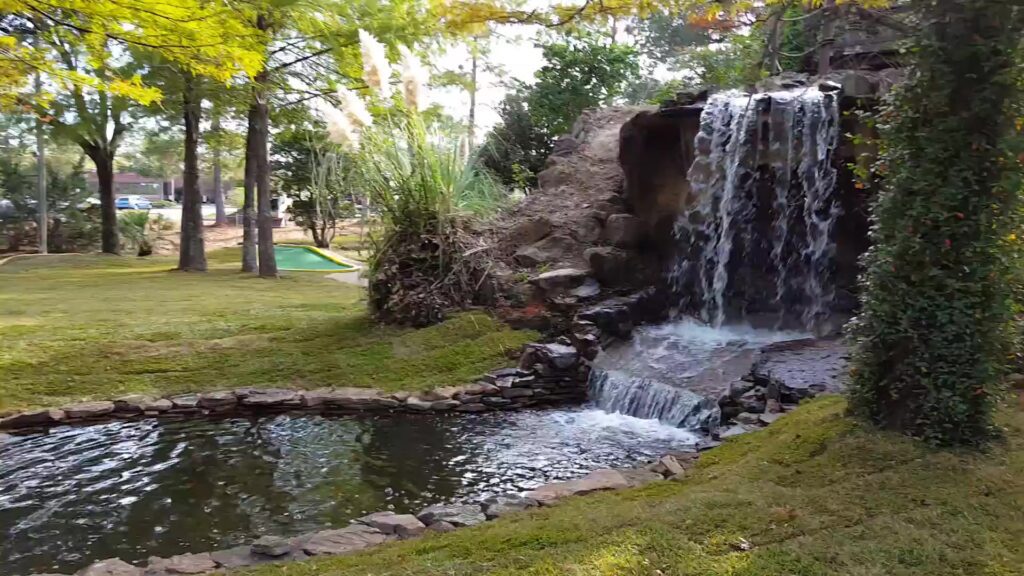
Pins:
x,y
674,372
782,142
756,238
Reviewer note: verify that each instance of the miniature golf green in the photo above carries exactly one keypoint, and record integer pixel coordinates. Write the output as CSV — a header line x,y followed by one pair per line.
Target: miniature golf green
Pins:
x,y
307,258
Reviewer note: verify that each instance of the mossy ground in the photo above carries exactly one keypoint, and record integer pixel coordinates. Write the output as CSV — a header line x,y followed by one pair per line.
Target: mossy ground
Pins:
x,y
80,327
814,494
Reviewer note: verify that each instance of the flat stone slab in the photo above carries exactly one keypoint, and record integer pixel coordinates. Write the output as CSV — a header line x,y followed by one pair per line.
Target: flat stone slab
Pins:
x,y
640,477
454,514
347,540
271,397
110,567
185,402
803,368
218,399
88,410
182,564
498,506
402,525
595,481
132,403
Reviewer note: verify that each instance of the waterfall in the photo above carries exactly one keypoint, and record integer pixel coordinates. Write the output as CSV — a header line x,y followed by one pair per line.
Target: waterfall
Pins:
x,y
640,397
782,143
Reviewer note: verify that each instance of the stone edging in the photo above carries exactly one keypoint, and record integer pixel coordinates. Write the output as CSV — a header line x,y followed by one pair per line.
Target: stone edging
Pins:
x,y
548,374
382,527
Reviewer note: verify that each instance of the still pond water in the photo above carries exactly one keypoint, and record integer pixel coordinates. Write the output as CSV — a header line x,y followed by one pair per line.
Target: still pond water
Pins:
x,y
135,489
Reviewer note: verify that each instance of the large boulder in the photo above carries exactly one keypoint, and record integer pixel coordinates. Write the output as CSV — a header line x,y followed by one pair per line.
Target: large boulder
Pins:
x,y
623,230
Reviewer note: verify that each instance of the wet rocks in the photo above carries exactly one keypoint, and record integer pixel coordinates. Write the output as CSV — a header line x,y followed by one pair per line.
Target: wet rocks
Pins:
x,y
498,506
402,525
32,418
181,564
87,410
110,567
455,514
344,541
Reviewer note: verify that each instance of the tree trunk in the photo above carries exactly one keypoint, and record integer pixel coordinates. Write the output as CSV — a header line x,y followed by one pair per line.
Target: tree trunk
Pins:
x,y
218,182
104,161
827,40
192,254
265,217
44,218
249,259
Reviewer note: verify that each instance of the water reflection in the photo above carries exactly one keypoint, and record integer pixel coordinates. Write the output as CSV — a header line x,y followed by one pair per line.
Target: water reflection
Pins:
x,y
135,489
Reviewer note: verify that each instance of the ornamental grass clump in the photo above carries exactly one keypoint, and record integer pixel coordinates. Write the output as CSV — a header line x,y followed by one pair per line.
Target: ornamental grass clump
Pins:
x,y
428,192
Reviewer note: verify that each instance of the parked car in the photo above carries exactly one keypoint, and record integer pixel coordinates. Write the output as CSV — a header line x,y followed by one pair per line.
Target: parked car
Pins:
x,y
133,203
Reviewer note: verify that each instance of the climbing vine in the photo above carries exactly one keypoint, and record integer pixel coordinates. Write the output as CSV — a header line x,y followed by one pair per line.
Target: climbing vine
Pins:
x,y
932,339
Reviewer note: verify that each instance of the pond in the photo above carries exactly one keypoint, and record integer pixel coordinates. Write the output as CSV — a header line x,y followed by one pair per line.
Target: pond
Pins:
x,y
132,489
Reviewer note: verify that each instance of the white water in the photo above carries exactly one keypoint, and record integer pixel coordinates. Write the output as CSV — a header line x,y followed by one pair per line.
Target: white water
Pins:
x,y
672,373
801,129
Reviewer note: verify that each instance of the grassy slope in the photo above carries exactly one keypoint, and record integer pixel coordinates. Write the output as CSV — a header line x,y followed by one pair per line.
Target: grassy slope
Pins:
x,y
79,327
814,494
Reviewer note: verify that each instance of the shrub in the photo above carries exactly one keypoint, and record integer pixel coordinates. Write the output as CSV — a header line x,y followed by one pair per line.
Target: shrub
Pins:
x,y
139,230
427,191
931,341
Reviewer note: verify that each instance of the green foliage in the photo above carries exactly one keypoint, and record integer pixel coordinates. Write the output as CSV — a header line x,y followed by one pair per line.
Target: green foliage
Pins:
x,y
139,229
932,337
516,149
71,228
581,72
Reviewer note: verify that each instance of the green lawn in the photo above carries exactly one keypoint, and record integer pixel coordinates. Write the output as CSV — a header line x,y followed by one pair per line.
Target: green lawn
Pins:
x,y
814,494
80,327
